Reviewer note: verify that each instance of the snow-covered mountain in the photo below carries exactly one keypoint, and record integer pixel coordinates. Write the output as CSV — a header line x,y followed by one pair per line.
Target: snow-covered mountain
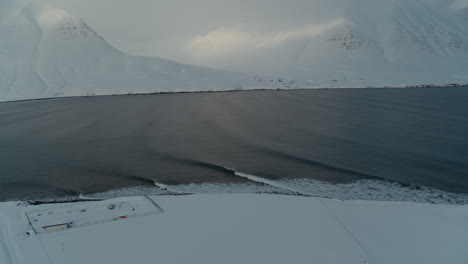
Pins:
x,y
393,43
47,52
377,43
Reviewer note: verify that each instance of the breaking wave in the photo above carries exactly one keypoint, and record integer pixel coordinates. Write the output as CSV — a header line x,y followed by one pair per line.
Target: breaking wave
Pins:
x,y
365,189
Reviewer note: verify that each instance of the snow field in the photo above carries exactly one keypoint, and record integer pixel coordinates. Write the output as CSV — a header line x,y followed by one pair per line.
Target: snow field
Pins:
x,y
251,228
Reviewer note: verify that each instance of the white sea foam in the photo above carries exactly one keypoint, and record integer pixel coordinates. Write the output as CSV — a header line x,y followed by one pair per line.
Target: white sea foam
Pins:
x,y
377,191
372,190
123,192
218,188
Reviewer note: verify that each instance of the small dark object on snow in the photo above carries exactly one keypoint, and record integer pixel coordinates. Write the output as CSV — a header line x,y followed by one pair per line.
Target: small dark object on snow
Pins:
x,y
83,210
111,207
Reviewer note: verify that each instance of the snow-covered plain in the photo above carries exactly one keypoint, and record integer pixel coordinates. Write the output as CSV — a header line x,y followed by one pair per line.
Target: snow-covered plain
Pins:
x,y
239,228
47,52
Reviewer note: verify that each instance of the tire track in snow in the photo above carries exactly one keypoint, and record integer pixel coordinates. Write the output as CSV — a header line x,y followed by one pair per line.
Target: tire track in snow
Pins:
x,y
154,203
348,230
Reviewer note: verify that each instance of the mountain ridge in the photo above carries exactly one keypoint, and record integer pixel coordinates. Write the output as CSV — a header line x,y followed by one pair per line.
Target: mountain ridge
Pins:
x,y
388,44
47,52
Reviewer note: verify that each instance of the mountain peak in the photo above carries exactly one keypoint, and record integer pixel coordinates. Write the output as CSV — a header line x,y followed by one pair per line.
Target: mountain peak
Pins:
x,y
63,24
47,52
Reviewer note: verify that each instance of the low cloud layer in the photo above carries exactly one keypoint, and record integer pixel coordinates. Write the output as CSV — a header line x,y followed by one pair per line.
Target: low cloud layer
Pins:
x,y
225,40
50,15
459,4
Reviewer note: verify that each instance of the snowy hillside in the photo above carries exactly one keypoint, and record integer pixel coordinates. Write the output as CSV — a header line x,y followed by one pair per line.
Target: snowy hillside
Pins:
x,y
384,43
47,52
400,42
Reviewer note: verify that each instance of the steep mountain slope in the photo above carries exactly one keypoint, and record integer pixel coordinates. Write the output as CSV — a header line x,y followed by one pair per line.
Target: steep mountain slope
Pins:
x,y
386,43
46,52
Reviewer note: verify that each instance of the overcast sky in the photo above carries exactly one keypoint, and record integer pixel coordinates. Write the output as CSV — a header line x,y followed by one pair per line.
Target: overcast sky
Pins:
x,y
166,27
182,29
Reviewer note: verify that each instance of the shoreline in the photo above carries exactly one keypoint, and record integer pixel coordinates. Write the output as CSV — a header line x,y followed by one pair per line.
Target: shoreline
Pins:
x,y
421,86
361,190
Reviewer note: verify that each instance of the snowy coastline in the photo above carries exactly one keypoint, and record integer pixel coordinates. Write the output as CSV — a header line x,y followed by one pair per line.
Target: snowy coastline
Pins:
x,y
253,89
365,190
215,213
265,221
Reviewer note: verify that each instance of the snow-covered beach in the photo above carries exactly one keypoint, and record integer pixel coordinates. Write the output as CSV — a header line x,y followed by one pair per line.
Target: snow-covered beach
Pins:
x,y
234,228
249,157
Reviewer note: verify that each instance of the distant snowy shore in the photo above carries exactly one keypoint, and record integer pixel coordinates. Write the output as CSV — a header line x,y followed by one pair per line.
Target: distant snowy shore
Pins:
x,y
426,86
232,228
48,52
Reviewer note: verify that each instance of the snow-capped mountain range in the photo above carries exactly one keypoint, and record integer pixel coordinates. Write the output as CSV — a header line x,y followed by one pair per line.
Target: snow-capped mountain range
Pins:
x,y
386,43
47,52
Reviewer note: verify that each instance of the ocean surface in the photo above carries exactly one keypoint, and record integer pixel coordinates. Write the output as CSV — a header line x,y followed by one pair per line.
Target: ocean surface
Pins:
x,y
413,138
